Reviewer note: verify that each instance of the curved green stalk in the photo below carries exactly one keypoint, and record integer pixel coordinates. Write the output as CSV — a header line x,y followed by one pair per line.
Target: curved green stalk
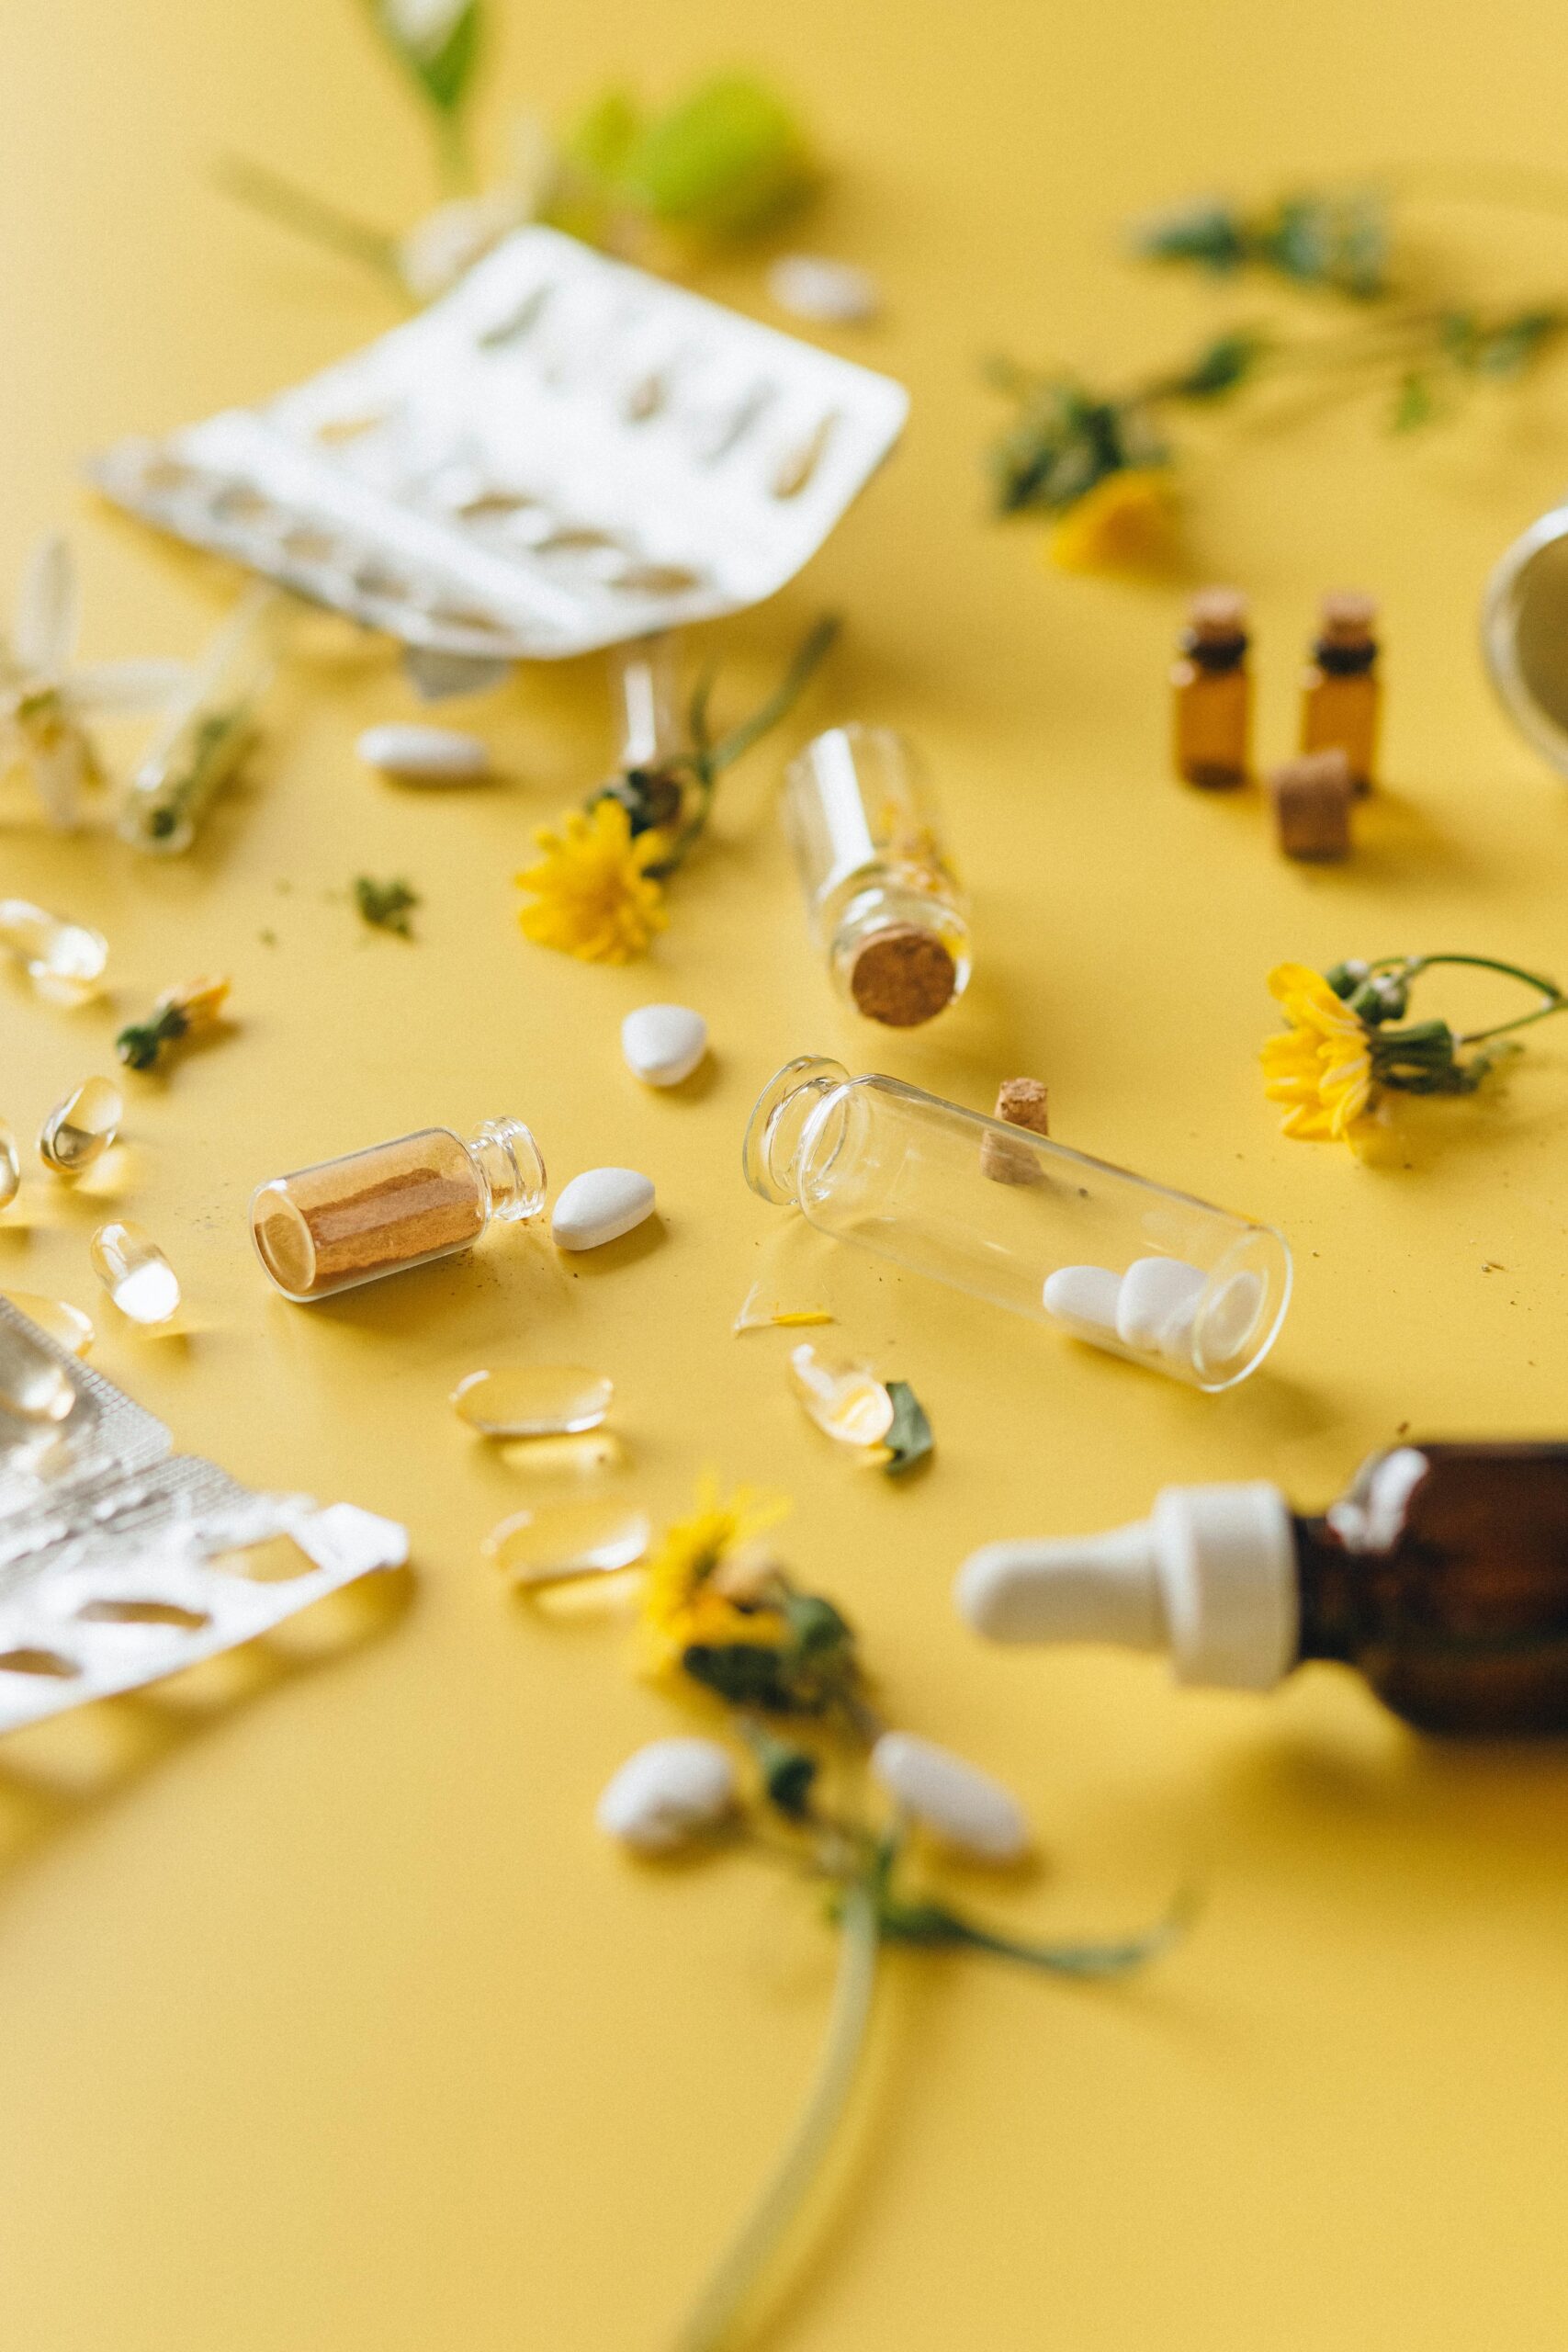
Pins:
x,y
721,2306
1553,999
308,215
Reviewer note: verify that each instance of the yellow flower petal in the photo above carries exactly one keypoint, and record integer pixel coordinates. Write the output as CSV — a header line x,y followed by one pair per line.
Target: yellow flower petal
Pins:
x,y
591,896
1320,1070
1126,523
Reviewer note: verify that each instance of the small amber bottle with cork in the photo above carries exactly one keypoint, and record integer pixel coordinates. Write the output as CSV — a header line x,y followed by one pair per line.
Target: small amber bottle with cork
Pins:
x,y
1212,692
1340,689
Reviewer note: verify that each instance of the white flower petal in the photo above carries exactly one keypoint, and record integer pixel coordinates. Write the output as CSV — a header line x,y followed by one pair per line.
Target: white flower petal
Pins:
x,y
124,685
48,609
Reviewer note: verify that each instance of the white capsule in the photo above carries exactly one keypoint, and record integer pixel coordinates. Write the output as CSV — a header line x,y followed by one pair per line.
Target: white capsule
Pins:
x,y
1156,1301
835,292
663,1042
667,1793
965,1807
1086,1297
1229,1321
599,1206
424,755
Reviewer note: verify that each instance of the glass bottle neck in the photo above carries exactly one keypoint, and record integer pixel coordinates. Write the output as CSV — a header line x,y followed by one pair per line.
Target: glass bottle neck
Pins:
x,y
511,1168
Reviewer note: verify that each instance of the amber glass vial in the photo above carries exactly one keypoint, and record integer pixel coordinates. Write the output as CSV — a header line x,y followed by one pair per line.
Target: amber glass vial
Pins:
x,y
330,1227
1212,691
1341,691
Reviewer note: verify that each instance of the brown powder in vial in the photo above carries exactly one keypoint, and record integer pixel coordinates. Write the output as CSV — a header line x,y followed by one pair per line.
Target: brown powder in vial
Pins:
x,y
902,976
370,1214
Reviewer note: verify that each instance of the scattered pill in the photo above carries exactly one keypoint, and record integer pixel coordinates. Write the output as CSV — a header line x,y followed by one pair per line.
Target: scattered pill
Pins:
x,y
667,1792
135,1273
533,1400
963,1806
559,1543
424,755
1155,1294
599,1206
33,1385
663,1042
1086,1296
65,1325
80,1130
809,286
64,960
846,1400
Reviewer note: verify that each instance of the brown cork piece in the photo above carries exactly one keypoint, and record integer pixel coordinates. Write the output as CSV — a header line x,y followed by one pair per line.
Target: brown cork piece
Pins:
x,y
1311,799
1346,618
1217,615
1022,1102
902,976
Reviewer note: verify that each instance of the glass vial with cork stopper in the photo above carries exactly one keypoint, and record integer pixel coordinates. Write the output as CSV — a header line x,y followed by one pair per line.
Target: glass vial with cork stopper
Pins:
x,y
327,1229
883,900
1212,691
1341,691
1100,1254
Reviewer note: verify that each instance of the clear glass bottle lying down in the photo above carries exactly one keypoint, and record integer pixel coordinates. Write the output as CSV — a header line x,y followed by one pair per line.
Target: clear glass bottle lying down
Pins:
x,y
884,903
1102,1255
206,730
330,1227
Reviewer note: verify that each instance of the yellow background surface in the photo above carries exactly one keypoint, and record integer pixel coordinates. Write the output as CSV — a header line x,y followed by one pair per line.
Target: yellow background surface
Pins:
x,y
330,2021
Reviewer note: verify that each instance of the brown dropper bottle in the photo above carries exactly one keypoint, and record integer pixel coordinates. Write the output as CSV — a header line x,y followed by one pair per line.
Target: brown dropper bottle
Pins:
x,y
1212,691
1340,689
1441,1576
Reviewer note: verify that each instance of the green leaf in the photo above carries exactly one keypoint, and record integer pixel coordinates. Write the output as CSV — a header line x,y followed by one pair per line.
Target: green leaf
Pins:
x,y
729,159
816,1626
788,1773
909,1440
1209,232
1414,405
386,905
437,45
1225,363
748,1673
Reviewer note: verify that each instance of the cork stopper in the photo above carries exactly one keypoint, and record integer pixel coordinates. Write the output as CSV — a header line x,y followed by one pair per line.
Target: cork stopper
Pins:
x,y
1312,797
1022,1102
902,976
1217,617
1345,618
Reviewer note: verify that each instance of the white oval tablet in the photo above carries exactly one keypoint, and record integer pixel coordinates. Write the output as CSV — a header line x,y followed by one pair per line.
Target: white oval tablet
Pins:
x,y
1086,1296
663,1042
946,1794
667,1792
1156,1294
812,287
424,755
599,1206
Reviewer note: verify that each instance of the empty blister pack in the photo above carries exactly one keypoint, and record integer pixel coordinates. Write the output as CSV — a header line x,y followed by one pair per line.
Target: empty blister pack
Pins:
x,y
121,1561
563,453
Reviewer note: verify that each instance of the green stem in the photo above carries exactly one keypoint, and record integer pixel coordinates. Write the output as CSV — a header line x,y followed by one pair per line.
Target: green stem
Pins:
x,y
721,2306
1555,1000
308,216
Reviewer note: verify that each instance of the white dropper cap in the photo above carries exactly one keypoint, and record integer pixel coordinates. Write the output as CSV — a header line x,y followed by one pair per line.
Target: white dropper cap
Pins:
x,y
1210,1576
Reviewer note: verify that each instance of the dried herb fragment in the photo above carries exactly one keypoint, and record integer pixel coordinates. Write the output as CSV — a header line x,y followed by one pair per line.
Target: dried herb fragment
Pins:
x,y
909,1441
386,905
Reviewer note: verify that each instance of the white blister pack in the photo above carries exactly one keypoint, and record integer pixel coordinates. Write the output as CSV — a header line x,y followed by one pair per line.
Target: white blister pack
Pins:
x,y
563,453
121,1561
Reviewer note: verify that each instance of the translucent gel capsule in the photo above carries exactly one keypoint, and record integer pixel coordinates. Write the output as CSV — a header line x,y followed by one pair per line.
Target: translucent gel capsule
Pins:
x,y
846,1400
64,1324
33,1388
64,960
533,1400
10,1167
80,1129
560,1542
135,1273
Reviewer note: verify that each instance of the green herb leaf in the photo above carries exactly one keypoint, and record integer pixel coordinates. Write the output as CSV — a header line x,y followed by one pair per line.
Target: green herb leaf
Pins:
x,y
909,1440
1227,362
788,1773
437,44
816,1626
749,1674
1209,233
386,905
140,1045
730,160
1414,404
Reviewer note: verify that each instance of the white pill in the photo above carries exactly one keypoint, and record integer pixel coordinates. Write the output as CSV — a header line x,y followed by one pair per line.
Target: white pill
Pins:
x,y
600,1206
424,755
1085,1297
811,286
1155,1294
666,1792
1230,1321
663,1042
963,1806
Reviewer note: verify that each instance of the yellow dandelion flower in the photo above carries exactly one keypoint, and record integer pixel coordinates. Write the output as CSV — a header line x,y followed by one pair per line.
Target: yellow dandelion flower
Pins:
x,y
592,895
686,1595
1320,1070
1126,523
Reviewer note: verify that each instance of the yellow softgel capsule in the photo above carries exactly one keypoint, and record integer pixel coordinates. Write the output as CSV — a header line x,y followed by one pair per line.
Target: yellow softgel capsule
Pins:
x,y
135,1273
33,1387
64,960
80,1130
560,1542
58,1321
846,1400
533,1400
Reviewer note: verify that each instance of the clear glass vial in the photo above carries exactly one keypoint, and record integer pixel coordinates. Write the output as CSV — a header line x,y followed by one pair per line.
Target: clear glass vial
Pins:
x,y
884,905
874,1161
344,1221
206,732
